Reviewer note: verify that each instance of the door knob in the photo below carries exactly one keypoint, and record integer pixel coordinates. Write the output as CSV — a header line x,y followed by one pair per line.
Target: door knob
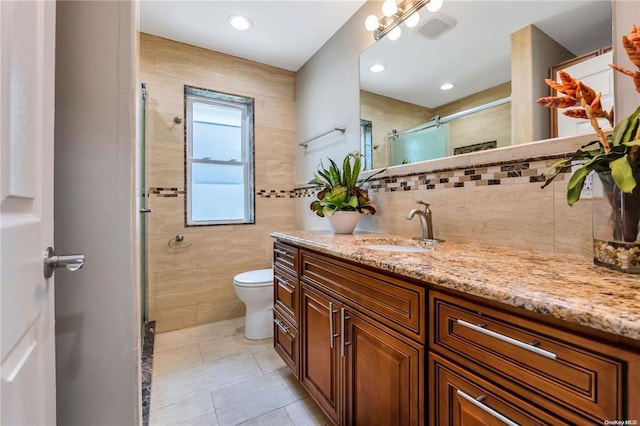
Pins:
x,y
52,261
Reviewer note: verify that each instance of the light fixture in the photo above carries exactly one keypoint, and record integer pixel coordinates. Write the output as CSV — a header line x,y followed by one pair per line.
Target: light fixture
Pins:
x,y
434,5
395,34
412,20
389,7
446,86
240,22
395,13
377,68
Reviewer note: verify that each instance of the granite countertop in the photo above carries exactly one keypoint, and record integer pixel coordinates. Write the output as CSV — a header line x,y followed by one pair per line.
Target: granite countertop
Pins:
x,y
566,287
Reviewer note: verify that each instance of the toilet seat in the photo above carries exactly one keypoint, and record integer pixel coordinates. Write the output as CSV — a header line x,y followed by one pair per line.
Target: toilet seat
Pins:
x,y
257,278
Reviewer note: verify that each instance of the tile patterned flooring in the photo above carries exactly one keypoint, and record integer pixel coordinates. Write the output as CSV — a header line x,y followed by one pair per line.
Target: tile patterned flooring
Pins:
x,y
211,375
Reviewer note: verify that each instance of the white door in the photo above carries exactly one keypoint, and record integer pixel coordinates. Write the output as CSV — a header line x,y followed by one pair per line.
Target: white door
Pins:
x,y
27,40
597,74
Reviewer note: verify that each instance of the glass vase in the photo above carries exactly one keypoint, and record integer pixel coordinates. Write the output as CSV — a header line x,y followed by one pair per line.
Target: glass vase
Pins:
x,y
616,220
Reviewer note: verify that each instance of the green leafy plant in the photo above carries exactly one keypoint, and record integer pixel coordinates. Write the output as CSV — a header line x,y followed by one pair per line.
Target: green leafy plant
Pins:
x,y
618,154
340,188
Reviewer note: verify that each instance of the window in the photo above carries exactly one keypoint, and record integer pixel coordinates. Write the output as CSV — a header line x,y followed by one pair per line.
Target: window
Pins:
x,y
219,158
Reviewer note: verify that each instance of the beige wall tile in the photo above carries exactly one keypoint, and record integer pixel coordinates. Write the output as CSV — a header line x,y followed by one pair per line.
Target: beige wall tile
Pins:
x,y
196,66
265,80
223,307
174,319
573,225
196,283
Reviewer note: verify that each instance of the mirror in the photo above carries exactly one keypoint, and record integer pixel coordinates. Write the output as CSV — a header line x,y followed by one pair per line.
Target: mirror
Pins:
x,y
469,44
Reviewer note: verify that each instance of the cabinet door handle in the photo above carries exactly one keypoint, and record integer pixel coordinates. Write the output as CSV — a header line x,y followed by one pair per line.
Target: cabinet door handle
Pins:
x,y
486,408
282,252
332,335
281,280
281,326
343,318
526,346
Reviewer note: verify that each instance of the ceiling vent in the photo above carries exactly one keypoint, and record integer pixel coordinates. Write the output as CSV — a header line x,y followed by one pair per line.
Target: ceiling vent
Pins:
x,y
436,25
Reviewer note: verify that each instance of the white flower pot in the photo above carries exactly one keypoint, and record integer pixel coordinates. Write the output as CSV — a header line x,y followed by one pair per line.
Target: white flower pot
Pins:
x,y
343,222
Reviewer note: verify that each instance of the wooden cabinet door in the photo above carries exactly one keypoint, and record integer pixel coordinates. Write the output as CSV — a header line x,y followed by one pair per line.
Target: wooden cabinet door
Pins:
x,y
320,364
384,374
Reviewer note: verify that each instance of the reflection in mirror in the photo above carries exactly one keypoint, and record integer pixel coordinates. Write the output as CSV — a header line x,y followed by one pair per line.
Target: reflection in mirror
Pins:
x,y
495,54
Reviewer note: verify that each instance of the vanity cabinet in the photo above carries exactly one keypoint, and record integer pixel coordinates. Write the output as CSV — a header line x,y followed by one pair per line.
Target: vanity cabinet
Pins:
x,y
375,348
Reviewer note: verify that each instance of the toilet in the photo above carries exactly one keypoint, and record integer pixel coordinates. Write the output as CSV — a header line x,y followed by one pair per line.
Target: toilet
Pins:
x,y
255,289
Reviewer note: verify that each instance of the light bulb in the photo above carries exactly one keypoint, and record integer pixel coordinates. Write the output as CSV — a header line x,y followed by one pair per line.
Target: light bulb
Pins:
x,y
371,23
434,5
394,34
413,20
446,86
377,68
240,22
389,7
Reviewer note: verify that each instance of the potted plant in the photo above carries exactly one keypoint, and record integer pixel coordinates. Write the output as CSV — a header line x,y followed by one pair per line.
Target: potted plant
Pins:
x,y
341,199
615,160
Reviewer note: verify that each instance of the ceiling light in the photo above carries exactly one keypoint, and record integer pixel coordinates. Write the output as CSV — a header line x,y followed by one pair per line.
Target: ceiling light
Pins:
x,y
377,68
446,86
434,5
395,33
413,20
240,22
389,7
394,15
371,23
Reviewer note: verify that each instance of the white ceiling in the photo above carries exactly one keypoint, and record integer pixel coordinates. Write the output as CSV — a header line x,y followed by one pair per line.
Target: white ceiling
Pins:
x,y
474,55
285,34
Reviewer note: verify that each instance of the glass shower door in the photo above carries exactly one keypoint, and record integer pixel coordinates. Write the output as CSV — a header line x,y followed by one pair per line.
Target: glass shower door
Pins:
x,y
142,204
421,145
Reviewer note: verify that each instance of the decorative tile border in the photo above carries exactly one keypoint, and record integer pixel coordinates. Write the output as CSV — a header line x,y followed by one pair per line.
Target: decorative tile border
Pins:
x,y
261,193
503,173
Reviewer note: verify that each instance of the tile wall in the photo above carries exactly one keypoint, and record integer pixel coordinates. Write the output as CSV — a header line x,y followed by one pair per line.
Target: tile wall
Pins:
x,y
194,284
492,197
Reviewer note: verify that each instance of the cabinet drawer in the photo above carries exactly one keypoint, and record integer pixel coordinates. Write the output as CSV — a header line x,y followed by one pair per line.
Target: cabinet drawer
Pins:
x,y
285,341
285,288
538,360
462,398
393,302
285,257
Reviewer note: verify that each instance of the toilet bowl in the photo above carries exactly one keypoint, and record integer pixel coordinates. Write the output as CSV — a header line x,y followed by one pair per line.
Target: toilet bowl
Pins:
x,y
255,289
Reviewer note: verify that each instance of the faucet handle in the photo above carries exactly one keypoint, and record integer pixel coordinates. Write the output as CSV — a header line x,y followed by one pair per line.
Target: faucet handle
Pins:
x,y
426,205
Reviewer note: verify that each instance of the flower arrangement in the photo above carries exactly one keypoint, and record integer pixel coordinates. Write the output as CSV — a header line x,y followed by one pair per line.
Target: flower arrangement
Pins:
x,y
618,155
340,188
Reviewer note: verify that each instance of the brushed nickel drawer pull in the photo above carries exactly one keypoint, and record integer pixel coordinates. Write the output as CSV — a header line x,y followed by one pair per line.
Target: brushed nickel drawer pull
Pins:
x,y
281,280
282,252
332,335
343,318
509,340
486,408
281,326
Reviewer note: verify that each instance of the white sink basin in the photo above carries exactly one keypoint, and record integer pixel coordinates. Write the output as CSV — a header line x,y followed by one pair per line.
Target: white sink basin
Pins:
x,y
397,248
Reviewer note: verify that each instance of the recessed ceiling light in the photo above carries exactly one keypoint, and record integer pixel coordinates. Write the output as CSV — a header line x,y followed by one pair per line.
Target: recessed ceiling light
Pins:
x,y
446,86
377,68
240,22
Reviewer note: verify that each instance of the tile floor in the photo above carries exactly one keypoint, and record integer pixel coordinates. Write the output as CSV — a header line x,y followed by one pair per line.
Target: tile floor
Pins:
x,y
211,375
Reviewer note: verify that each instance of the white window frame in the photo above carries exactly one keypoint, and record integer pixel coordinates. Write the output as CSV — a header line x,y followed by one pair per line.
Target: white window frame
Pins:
x,y
245,105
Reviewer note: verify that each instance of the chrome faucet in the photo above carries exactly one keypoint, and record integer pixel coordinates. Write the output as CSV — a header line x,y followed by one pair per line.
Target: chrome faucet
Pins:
x,y
425,221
